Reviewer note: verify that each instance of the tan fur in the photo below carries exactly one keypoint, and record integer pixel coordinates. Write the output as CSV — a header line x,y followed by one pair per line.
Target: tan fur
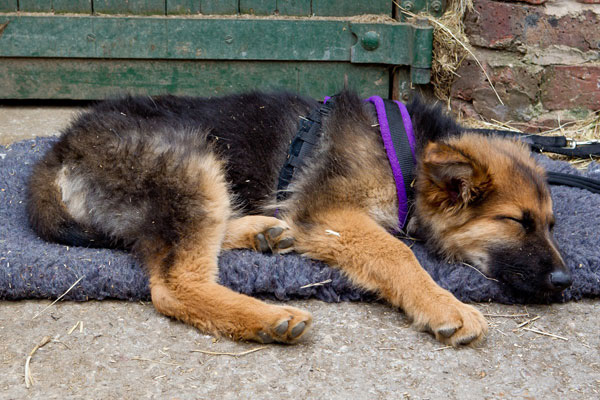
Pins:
x,y
72,189
463,233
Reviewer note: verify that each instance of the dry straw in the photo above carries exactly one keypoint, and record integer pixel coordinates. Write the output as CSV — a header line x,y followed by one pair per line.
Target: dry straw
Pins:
x,y
28,376
221,353
450,47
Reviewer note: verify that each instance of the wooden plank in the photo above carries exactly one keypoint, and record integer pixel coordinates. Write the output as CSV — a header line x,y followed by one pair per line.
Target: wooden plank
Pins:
x,y
219,7
130,38
178,7
324,79
135,7
401,86
122,37
72,6
9,6
258,7
48,37
294,7
35,5
259,39
97,79
333,8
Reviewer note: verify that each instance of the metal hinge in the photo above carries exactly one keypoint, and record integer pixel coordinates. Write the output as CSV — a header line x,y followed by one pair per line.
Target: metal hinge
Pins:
x,y
395,44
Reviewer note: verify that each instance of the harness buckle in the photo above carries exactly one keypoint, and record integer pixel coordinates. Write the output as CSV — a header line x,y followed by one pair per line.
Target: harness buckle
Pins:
x,y
572,143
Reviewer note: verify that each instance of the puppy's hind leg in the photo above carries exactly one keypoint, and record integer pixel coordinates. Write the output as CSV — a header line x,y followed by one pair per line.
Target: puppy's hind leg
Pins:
x,y
183,275
190,294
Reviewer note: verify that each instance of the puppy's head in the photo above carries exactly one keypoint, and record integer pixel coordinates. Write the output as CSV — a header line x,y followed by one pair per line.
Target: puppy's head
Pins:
x,y
484,200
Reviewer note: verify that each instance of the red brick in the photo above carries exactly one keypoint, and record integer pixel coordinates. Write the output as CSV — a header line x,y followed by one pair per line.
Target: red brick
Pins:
x,y
501,25
571,86
491,23
516,83
470,77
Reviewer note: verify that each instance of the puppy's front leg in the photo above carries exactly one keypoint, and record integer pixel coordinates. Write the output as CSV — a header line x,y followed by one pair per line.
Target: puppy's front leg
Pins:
x,y
377,261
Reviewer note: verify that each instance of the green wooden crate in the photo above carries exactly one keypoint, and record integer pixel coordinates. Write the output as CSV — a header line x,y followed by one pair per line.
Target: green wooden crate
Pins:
x,y
84,49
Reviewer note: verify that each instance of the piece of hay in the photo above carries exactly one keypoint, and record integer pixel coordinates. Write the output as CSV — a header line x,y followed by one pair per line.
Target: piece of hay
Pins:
x,y
219,353
28,378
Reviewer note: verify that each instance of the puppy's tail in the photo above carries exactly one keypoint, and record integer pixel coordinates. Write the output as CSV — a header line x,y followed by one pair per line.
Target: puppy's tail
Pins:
x,y
48,214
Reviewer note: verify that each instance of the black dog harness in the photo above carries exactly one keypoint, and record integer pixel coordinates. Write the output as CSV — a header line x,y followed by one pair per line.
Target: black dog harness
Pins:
x,y
398,137
302,146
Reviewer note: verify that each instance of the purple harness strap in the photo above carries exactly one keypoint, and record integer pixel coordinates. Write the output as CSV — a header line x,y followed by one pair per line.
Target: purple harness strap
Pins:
x,y
388,142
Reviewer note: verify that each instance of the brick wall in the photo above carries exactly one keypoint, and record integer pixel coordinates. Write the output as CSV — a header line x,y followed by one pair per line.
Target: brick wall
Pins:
x,y
544,60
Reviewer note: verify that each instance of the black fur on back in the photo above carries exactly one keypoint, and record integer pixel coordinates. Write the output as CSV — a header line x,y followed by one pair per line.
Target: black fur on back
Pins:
x,y
251,130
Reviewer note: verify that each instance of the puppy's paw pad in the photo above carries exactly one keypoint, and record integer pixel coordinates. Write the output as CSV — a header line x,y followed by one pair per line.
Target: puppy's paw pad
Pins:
x,y
261,244
467,340
446,332
282,328
264,337
274,233
285,244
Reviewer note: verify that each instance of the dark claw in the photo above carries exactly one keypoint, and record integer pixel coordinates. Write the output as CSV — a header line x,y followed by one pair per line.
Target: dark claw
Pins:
x,y
297,330
274,232
447,332
281,328
285,243
427,329
467,340
261,243
265,337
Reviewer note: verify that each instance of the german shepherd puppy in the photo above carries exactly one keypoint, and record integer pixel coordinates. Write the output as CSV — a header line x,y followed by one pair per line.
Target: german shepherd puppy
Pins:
x,y
178,179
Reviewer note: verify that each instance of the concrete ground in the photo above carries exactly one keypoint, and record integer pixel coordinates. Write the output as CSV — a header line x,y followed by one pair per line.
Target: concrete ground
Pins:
x,y
124,350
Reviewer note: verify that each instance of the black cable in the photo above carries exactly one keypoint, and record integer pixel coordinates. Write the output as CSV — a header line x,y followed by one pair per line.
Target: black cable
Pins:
x,y
558,178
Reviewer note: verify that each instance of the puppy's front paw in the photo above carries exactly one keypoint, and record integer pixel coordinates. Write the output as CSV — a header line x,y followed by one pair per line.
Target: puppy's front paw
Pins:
x,y
452,322
276,239
259,233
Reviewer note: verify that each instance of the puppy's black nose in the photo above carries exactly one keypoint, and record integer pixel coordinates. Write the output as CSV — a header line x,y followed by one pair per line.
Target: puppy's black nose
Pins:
x,y
561,280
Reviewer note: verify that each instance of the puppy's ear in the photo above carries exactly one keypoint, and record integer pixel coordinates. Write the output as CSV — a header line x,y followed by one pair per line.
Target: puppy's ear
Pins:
x,y
451,179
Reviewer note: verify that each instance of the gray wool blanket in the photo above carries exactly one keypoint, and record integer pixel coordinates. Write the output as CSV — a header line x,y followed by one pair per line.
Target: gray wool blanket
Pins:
x,y
31,268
